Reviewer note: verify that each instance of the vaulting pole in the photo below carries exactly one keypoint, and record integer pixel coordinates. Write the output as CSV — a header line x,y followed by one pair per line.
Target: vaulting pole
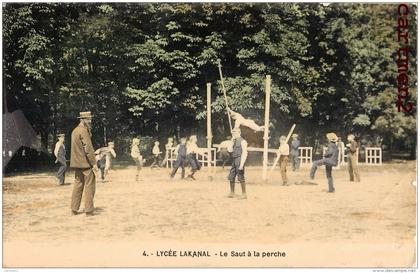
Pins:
x,y
209,133
266,124
224,93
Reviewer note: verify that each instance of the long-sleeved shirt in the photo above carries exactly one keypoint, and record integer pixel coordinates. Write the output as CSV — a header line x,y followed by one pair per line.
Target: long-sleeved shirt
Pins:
x,y
284,149
60,152
156,150
135,151
227,144
192,148
106,151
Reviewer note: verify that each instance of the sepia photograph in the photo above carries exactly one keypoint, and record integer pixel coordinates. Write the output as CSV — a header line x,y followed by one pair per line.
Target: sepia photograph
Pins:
x,y
209,135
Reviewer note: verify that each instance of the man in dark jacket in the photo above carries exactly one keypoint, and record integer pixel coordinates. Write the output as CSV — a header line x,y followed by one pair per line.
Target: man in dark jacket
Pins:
x,y
181,158
330,160
82,159
294,152
60,155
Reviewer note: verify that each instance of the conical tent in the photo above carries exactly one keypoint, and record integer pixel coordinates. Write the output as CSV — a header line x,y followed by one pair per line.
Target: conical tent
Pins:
x,y
17,132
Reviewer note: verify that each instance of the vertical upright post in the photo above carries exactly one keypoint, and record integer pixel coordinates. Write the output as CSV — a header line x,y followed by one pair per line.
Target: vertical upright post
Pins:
x,y
209,133
105,135
266,123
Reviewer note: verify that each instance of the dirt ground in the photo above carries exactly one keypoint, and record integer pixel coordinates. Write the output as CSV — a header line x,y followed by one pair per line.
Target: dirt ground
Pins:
x,y
367,224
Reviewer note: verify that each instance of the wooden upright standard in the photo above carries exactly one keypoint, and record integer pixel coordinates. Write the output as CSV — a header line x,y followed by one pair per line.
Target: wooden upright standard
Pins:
x,y
266,124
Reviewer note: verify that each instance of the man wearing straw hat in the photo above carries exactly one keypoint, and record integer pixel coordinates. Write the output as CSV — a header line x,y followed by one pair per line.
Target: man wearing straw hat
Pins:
x,y
330,160
82,159
60,155
283,152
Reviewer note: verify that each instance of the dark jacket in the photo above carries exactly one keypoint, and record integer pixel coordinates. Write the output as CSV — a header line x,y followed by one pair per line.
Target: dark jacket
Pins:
x,y
82,153
294,151
331,155
182,152
352,149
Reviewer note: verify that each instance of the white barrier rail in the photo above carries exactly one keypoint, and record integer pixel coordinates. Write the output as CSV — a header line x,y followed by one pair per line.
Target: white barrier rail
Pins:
x,y
373,156
305,155
203,160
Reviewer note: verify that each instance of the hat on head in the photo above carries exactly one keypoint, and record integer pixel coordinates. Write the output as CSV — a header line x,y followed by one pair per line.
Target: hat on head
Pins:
x,y
110,143
61,135
85,115
282,138
295,135
156,142
136,140
351,136
332,137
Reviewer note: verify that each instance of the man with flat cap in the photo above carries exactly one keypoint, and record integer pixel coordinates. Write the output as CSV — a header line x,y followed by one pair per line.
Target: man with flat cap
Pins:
x,y
330,160
60,155
82,159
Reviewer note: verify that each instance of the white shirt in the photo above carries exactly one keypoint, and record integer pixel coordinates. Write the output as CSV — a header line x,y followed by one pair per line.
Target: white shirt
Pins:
x,y
57,147
135,151
284,149
156,150
227,144
192,148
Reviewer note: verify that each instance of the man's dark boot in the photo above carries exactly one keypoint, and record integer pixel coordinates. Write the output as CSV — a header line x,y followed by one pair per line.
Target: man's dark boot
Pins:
x,y
173,173
330,185
192,175
243,196
90,213
232,189
312,173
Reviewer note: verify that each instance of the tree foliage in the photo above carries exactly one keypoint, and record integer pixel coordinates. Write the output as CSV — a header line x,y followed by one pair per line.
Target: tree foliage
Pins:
x,y
142,68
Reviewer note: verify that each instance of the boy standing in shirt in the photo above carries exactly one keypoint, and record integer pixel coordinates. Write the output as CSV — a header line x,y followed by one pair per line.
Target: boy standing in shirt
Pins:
x,y
283,152
60,155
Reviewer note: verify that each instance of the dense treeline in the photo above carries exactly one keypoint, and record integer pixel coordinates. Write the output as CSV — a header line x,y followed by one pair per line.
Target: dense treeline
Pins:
x,y
142,68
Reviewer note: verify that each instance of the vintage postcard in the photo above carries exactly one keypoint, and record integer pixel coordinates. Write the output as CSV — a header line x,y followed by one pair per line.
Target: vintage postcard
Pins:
x,y
177,135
